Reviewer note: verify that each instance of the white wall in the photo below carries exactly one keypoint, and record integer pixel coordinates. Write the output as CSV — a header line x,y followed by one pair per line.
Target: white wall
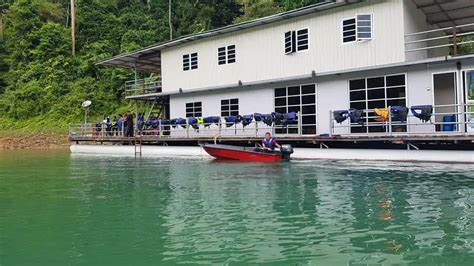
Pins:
x,y
414,21
260,100
332,94
260,50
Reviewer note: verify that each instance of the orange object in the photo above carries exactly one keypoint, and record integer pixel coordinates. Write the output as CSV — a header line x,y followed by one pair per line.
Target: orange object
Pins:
x,y
383,113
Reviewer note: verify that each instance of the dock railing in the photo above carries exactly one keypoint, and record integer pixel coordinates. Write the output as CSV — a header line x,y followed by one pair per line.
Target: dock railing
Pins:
x,y
221,129
446,120
459,120
451,39
142,86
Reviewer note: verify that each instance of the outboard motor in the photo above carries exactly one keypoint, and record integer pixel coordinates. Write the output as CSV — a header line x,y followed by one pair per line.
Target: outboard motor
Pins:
x,y
286,150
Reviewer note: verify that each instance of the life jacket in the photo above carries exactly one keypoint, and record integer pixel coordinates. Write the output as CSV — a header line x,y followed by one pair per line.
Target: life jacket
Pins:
x,y
208,121
422,112
246,120
200,120
154,123
382,113
164,122
399,113
267,119
355,115
180,122
340,115
231,120
193,122
269,143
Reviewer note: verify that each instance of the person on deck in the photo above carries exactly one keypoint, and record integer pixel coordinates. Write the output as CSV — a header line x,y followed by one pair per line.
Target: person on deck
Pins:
x,y
269,143
114,126
129,125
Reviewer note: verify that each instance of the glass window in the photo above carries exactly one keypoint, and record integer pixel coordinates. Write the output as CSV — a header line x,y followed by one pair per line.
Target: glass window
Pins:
x,y
299,99
308,99
230,107
357,95
357,84
378,82
357,29
396,92
294,90
194,109
294,100
308,89
376,94
397,80
280,101
302,43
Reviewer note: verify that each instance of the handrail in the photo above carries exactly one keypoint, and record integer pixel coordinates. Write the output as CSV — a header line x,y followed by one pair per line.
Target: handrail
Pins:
x,y
453,40
460,124
142,86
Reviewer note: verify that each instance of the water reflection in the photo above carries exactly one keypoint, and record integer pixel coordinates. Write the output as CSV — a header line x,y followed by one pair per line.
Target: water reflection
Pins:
x,y
125,211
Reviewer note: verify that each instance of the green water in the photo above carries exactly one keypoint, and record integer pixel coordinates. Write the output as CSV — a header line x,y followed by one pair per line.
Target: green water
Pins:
x,y
59,209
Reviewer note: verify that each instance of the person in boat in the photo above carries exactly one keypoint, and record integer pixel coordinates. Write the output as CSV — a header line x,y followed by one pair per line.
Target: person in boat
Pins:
x,y
269,143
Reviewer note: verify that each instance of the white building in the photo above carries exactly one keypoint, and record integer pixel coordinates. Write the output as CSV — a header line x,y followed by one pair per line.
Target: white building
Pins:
x,y
335,55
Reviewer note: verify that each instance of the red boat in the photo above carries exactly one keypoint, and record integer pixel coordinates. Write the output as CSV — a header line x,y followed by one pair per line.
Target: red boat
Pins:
x,y
247,154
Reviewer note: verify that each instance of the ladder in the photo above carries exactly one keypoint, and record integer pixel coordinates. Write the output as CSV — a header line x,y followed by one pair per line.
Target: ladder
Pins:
x,y
138,144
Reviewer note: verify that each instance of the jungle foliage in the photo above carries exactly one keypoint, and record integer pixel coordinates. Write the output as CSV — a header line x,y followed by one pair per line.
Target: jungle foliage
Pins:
x,y
42,85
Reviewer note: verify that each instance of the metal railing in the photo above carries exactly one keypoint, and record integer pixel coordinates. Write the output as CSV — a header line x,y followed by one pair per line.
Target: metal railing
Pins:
x,y
221,129
450,38
463,123
142,86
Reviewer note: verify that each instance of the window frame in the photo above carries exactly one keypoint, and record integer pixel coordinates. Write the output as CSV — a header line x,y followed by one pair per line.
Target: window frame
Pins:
x,y
194,107
231,111
356,35
366,128
224,59
299,105
188,62
294,39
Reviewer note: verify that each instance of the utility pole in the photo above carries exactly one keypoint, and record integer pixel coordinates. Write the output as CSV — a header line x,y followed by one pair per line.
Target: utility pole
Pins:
x,y
169,19
73,28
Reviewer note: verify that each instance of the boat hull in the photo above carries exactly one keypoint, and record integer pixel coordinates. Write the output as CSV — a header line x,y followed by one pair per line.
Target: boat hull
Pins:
x,y
241,154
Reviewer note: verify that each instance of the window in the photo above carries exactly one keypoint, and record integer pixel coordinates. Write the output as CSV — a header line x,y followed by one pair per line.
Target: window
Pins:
x,y
230,107
296,41
302,99
190,61
377,92
226,55
194,109
357,29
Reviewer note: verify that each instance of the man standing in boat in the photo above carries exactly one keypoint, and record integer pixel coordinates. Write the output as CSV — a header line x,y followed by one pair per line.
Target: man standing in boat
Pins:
x,y
269,143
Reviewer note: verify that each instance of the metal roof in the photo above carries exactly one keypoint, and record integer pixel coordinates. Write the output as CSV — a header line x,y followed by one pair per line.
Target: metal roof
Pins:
x,y
448,13
149,59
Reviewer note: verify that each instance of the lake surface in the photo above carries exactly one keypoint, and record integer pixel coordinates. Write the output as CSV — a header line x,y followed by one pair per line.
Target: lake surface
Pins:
x,y
62,209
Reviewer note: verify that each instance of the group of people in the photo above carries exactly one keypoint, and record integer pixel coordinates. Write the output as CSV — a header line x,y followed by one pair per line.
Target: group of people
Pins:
x,y
120,123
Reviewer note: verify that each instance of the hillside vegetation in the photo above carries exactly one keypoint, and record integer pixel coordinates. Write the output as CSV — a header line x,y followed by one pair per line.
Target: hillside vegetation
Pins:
x,y
42,85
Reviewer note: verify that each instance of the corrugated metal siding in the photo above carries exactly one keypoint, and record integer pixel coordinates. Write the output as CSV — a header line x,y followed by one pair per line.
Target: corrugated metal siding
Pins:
x,y
260,51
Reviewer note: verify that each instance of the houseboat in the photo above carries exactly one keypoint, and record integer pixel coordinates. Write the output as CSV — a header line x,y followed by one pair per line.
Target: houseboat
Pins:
x,y
353,74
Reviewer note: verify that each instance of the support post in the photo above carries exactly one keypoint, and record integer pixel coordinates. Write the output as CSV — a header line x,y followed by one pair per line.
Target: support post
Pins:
x,y
300,124
256,128
160,128
455,42
331,124
390,120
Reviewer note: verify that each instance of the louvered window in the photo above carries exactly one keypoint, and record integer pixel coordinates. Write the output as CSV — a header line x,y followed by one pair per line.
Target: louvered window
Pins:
x,y
190,61
296,41
357,29
226,55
